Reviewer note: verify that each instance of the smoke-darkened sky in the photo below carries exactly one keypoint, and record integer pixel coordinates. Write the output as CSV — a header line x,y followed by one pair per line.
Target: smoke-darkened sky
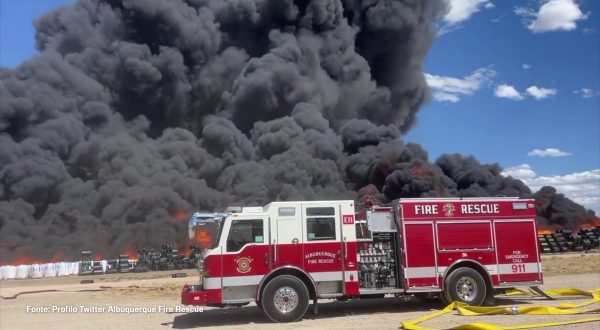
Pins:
x,y
484,35
133,110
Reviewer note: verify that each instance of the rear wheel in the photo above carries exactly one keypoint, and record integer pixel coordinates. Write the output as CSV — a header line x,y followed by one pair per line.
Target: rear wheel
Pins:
x,y
285,299
465,285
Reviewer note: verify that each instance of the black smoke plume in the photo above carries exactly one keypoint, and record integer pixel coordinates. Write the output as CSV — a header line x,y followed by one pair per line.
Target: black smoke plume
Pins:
x,y
555,211
134,110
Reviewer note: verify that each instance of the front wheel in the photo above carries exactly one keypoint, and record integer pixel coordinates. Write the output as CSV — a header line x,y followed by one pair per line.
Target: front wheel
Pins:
x,y
285,299
465,285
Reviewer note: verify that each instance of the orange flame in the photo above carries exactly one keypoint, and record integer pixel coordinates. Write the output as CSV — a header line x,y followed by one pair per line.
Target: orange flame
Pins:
x,y
415,170
203,237
180,215
26,260
545,231
131,253
59,256
591,224
97,256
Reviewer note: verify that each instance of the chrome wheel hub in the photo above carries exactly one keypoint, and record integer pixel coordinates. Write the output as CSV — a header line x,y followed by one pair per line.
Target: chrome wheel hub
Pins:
x,y
285,299
466,289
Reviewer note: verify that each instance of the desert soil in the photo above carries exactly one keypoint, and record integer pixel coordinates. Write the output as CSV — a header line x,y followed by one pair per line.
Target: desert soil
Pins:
x,y
158,293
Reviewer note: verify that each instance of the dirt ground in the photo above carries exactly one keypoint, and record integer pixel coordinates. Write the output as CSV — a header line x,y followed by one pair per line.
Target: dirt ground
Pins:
x,y
156,296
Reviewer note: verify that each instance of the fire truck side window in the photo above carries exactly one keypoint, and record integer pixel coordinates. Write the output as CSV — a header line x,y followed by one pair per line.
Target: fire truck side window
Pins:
x,y
244,232
320,228
320,223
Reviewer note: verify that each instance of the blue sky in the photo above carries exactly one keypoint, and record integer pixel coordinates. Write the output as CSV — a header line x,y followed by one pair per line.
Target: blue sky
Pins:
x,y
17,41
480,69
514,82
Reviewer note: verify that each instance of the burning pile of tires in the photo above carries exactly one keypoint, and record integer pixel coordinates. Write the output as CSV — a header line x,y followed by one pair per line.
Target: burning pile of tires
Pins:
x,y
167,259
565,240
88,266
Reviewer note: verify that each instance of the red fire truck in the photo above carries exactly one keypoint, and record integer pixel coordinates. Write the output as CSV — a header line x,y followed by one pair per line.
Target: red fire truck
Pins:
x,y
285,254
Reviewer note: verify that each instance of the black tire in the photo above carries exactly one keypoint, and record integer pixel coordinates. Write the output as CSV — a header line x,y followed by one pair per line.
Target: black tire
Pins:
x,y
278,295
465,285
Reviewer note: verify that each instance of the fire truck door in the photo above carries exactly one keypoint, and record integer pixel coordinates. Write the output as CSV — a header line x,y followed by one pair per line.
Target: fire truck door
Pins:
x,y
287,241
245,257
323,251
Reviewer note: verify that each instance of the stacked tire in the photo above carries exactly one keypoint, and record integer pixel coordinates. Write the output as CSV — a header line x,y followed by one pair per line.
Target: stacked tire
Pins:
x,y
553,244
123,263
589,237
578,243
544,246
561,241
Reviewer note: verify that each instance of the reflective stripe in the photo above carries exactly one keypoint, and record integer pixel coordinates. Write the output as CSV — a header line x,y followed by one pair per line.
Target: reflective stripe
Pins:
x,y
410,272
416,272
211,283
215,282
492,269
529,267
327,276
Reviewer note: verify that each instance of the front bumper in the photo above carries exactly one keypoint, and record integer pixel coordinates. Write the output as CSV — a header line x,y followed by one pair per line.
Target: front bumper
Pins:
x,y
194,295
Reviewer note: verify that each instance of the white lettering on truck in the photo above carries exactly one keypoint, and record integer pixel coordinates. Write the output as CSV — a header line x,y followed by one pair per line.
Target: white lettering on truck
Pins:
x,y
480,208
329,255
426,209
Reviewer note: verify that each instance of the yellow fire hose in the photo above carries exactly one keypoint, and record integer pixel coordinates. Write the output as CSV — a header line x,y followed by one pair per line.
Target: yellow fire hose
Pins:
x,y
563,309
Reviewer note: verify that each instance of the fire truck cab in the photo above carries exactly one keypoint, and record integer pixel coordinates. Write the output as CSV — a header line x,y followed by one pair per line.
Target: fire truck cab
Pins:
x,y
285,254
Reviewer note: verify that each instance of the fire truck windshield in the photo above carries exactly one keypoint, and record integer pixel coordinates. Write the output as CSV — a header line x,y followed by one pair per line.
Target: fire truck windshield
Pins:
x,y
205,228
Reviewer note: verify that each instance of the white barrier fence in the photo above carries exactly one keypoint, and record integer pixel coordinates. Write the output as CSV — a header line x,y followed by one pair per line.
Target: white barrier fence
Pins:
x,y
41,270
49,269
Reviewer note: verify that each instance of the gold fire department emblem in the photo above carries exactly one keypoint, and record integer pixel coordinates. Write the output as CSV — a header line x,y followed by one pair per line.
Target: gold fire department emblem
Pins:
x,y
243,264
449,209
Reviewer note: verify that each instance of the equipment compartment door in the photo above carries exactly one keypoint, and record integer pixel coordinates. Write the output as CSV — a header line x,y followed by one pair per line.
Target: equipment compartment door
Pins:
x,y
420,269
517,250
